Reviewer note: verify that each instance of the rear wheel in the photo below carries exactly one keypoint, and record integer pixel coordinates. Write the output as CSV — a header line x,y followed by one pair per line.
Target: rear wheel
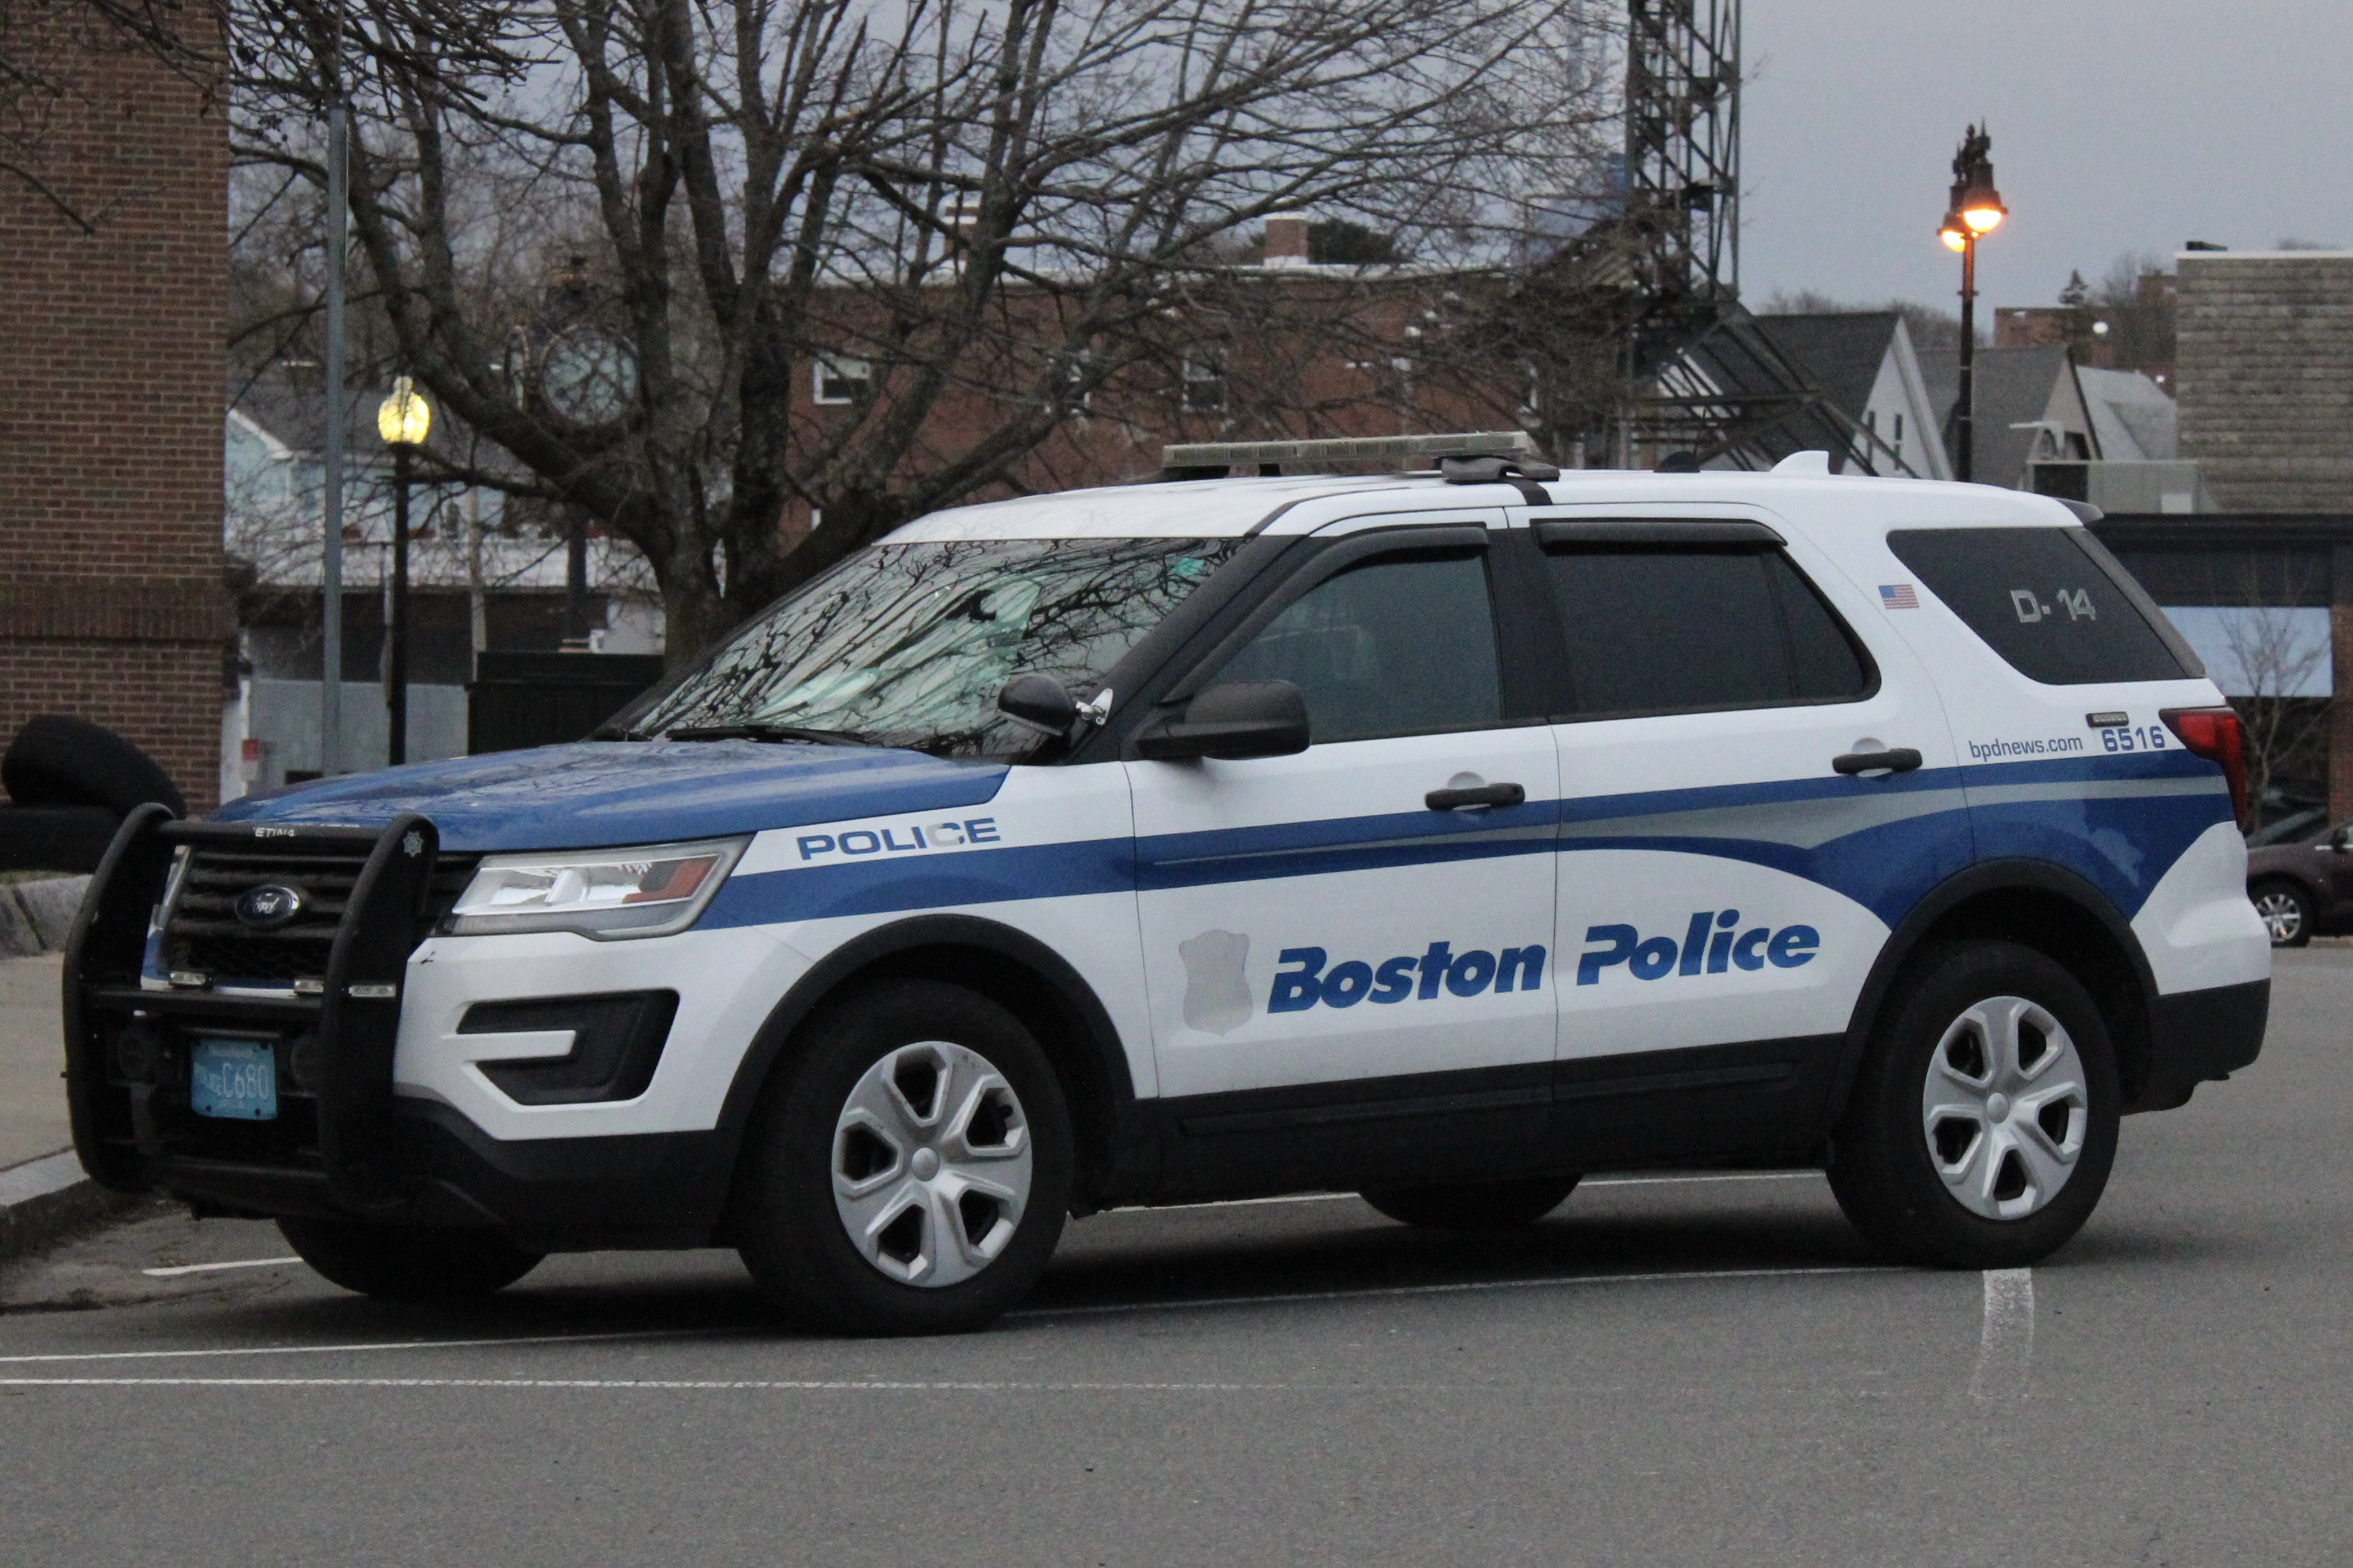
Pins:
x,y
910,1165
2286,909
400,1263
1473,1205
1983,1123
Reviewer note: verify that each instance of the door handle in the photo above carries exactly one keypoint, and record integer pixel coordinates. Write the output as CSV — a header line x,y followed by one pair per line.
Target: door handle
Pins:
x,y
1901,759
1485,794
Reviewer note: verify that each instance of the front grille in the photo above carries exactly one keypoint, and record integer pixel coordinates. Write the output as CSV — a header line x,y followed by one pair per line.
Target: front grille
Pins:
x,y
201,933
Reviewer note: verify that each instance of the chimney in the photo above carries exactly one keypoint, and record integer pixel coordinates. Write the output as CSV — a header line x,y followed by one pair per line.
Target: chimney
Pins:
x,y
1286,239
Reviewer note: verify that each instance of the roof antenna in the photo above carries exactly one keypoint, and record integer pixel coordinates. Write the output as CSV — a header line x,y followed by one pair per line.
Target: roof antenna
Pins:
x,y
1683,462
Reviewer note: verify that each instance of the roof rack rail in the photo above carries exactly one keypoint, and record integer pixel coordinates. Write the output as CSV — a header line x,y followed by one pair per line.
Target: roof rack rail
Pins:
x,y
1212,459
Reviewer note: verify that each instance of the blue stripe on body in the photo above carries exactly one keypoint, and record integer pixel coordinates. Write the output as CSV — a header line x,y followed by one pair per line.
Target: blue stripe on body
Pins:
x,y
1343,844
1885,868
885,886
2121,845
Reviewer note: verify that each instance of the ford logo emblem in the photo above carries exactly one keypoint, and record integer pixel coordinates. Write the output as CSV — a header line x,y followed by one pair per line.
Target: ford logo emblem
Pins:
x,y
269,906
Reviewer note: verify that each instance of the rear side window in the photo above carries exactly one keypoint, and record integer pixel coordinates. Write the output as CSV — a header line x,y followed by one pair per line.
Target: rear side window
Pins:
x,y
1667,630
2041,600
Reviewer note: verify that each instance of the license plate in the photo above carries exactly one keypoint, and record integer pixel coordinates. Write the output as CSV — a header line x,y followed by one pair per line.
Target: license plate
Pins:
x,y
233,1078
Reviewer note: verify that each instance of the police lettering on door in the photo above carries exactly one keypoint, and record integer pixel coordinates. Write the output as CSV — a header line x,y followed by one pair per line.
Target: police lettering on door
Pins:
x,y
1712,944
1439,968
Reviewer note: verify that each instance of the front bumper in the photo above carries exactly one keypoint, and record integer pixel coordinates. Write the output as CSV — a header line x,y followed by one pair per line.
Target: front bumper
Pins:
x,y
2200,1037
344,1142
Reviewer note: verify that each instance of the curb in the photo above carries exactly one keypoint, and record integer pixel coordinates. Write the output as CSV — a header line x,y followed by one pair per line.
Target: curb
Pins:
x,y
44,1199
37,916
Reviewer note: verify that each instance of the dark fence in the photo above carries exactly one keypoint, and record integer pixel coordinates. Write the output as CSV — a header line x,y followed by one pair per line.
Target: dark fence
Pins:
x,y
518,699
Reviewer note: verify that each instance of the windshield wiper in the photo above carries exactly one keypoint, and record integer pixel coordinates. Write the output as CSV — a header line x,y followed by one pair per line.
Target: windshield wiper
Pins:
x,y
767,733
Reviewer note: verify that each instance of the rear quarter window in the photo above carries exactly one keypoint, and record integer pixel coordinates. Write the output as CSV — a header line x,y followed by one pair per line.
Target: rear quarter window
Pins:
x,y
2045,601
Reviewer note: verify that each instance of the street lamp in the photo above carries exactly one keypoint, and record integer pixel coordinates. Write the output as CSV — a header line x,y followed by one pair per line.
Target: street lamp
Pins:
x,y
403,420
1974,212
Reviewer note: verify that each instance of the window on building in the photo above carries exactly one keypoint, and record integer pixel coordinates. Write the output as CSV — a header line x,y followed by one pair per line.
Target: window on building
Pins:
x,y
1680,630
1068,383
1204,382
841,380
1395,647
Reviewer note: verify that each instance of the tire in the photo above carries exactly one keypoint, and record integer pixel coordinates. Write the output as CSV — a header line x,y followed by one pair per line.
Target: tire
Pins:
x,y
55,760
397,1263
1473,1205
866,1206
1983,1122
2286,912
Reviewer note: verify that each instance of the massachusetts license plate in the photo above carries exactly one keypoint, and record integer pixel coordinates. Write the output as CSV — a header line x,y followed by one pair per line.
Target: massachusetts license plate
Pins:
x,y
233,1078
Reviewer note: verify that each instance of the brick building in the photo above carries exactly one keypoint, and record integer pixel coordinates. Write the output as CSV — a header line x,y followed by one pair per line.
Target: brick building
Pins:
x,y
111,600
2266,377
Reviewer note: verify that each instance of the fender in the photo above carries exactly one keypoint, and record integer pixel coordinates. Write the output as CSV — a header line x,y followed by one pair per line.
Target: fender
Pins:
x,y
1975,881
1132,1150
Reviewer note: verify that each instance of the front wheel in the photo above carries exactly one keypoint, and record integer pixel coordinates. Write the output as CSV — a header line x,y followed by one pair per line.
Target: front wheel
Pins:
x,y
1983,1122
908,1166
399,1263
1473,1205
2286,910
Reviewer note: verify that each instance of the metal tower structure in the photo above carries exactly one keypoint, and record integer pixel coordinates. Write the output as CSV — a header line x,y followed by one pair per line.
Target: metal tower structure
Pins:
x,y
1697,371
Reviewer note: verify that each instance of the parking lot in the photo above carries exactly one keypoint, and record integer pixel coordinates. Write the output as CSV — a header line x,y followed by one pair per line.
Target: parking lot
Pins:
x,y
1699,1369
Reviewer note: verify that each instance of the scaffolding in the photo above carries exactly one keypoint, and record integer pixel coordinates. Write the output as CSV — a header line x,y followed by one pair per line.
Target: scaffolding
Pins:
x,y
1655,282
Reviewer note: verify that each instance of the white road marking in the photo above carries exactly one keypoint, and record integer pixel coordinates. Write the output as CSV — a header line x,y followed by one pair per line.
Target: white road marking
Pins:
x,y
811,1385
1711,1176
2006,1342
178,1270
1596,1182
382,1345
1467,1287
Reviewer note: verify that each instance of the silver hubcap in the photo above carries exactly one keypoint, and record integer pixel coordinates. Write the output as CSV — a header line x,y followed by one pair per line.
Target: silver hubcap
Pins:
x,y
2281,917
931,1163
2005,1108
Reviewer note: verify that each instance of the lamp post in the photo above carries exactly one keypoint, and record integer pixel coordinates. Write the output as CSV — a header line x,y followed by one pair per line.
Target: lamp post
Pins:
x,y
402,419
1974,211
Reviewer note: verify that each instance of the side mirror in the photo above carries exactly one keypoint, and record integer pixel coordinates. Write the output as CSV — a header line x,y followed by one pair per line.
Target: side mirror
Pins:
x,y
2338,837
1234,720
1038,701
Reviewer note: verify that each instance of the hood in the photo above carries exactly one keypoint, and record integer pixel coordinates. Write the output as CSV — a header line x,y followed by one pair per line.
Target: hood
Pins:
x,y
593,794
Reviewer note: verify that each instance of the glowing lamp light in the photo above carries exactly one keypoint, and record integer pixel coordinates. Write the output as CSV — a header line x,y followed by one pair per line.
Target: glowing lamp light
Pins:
x,y
404,419
1984,214
1954,232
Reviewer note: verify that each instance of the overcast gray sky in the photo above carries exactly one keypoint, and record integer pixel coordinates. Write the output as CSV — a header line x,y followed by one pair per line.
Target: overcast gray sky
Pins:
x,y
2117,125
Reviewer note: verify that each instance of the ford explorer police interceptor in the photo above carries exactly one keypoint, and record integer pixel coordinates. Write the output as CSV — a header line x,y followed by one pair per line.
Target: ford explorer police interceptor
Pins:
x,y
1437,837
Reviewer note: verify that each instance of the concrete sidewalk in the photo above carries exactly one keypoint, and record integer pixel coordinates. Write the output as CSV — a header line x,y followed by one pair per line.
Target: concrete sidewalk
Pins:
x,y
43,1192
32,1057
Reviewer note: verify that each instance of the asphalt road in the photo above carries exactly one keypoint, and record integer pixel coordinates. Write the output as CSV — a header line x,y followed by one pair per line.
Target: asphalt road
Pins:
x,y
1666,1371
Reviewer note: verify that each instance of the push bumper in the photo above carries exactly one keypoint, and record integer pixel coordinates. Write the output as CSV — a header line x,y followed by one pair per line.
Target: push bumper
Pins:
x,y
342,1144
2200,1037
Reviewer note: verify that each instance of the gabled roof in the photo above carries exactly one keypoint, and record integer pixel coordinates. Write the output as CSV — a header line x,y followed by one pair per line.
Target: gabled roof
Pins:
x,y
1844,351
2134,415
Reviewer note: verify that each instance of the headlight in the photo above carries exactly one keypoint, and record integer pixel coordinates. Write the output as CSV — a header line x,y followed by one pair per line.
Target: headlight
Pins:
x,y
650,890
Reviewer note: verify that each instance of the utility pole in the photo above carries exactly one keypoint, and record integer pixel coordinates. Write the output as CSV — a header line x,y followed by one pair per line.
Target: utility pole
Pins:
x,y
1974,211
331,570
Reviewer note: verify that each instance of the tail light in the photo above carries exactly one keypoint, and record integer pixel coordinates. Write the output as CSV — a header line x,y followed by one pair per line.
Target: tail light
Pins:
x,y
2213,735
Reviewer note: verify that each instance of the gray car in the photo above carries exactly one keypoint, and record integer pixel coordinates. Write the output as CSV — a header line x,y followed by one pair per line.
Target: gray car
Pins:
x,y
2300,876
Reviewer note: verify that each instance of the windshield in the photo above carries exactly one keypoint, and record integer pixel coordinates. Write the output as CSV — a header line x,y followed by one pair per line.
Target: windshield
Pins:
x,y
908,645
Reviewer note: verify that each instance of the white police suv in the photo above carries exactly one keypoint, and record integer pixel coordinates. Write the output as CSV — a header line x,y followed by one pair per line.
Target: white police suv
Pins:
x,y
1439,837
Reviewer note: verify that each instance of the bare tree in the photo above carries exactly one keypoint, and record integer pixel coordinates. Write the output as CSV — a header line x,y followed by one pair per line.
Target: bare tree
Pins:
x,y
2278,657
619,238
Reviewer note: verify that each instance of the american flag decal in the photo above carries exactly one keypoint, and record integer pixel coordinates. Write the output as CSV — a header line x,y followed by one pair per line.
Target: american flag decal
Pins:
x,y
1897,596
